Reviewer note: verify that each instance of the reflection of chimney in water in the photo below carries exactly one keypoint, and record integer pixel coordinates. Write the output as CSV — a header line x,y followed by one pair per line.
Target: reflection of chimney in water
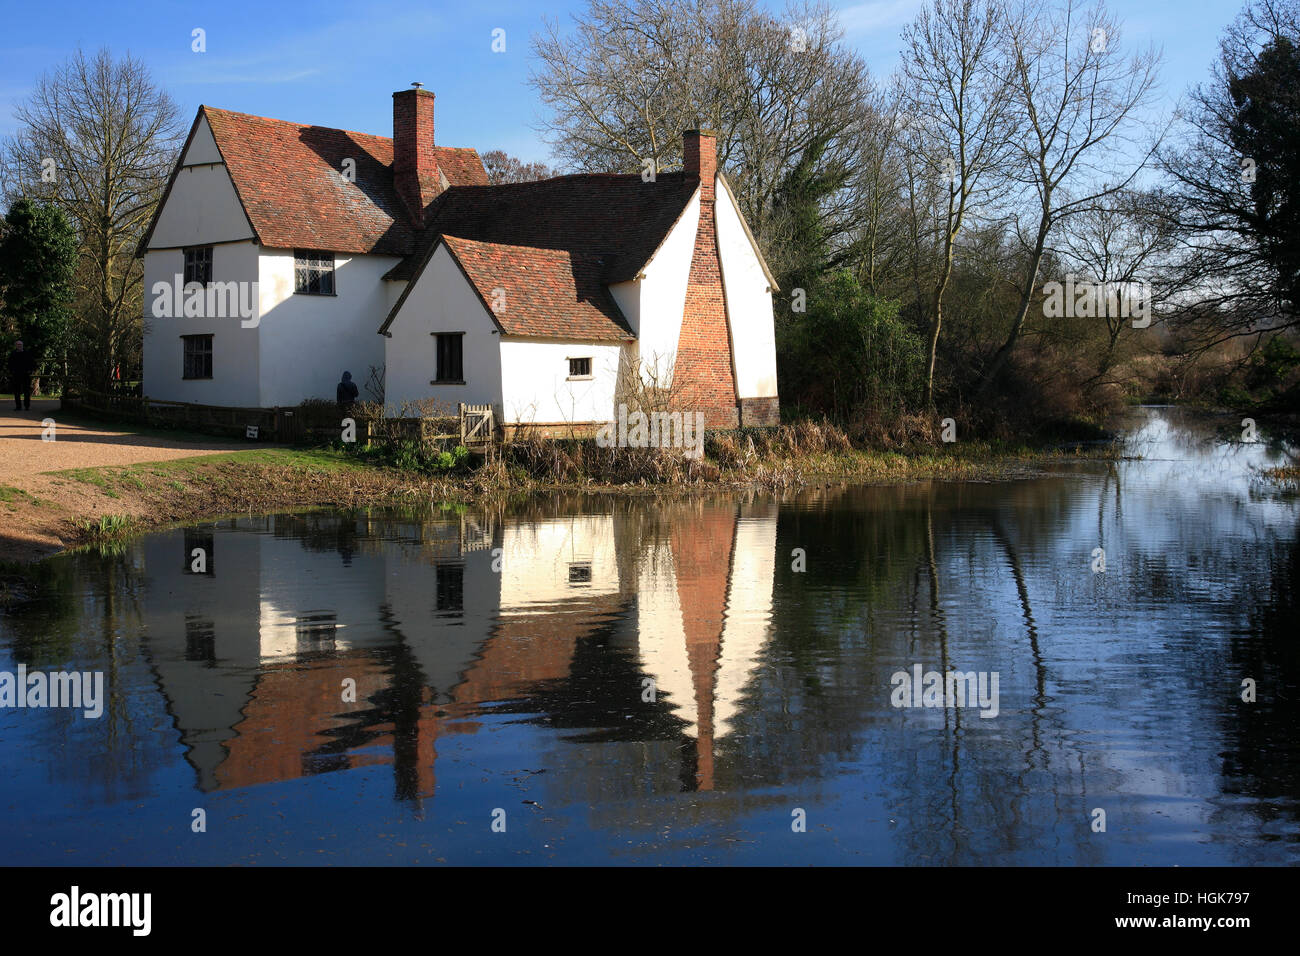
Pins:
x,y
702,553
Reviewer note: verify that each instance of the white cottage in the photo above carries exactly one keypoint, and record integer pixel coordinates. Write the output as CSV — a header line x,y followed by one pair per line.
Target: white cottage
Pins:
x,y
279,250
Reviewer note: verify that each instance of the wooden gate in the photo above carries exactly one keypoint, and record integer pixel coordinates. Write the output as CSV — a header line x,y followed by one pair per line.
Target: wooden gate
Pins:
x,y
477,425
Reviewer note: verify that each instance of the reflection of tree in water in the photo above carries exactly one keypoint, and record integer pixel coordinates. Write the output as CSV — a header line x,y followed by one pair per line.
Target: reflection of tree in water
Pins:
x,y
87,617
823,697
962,576
1260,758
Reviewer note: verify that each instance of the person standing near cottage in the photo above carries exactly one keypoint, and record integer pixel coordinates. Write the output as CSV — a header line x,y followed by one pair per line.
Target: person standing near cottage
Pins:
x,y
22,365
346,393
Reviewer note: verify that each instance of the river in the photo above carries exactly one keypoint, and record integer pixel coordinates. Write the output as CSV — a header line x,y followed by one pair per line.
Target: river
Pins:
x,y
638,680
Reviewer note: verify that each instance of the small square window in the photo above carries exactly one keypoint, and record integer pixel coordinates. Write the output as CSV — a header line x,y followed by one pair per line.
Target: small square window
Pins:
x,y
580,367
580,573
313,272
198,265
198,356
315,630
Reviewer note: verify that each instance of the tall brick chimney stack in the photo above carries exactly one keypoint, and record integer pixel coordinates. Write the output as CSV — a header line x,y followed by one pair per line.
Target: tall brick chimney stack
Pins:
x,y
700,150
415,171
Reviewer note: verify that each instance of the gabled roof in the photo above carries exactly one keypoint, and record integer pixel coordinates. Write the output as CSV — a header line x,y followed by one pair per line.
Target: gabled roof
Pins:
x,y
549,293
616,217
289,178
556,244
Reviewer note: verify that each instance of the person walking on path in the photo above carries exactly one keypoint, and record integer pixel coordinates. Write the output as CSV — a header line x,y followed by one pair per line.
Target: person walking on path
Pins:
x,y
346,393
22,365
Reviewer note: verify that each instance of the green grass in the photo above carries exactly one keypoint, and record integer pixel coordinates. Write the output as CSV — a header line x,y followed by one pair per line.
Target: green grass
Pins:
x,y
10,494
306,459
114,479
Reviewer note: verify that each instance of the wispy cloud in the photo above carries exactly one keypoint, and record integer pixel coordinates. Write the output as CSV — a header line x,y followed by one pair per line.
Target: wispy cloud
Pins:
x,y
254,76
299,55
875,15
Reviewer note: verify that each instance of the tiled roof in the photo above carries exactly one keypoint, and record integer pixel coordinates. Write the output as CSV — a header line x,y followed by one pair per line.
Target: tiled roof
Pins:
x,y
617,218
289,178
560,242
550,293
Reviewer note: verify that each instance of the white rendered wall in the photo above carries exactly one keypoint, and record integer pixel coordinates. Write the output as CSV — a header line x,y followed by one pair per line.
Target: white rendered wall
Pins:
x,y
202,207
203,146
235,350
534,376
657,318
308,341
749,304
442,301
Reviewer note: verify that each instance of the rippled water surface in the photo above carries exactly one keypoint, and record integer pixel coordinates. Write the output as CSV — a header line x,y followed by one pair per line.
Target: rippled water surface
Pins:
x,y
634,681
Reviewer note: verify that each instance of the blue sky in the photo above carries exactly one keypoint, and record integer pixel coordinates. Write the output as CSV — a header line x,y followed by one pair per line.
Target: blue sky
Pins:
x,y
336,62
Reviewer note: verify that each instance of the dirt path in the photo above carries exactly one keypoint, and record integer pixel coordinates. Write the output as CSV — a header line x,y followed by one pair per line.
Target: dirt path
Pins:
x,y
34,505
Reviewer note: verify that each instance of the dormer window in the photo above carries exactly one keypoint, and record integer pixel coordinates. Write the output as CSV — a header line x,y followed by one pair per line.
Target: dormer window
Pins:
x,y
313,272
198,265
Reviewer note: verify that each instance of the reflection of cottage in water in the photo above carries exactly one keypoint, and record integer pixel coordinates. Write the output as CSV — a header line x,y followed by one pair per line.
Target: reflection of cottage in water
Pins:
x,y
432,620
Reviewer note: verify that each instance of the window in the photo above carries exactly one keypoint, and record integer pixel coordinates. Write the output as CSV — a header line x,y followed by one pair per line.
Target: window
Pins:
x,y
449,589
450,353
580,367
579,573
315,630
198,356
313,272
198,265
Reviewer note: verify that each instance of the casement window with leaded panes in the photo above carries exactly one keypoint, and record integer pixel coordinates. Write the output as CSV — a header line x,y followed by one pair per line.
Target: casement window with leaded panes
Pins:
x,y
198,265
313,272
198,356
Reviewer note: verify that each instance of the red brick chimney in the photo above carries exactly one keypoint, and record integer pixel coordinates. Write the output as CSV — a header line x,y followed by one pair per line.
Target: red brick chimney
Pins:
x,y
700,151
415,171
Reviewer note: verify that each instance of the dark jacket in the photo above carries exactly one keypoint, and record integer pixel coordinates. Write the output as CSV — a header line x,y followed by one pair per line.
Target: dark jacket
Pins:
x,y
347,391
22,365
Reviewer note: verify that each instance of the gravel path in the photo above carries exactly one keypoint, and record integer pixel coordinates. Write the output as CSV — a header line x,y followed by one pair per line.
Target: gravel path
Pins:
x,y
23,454
37,509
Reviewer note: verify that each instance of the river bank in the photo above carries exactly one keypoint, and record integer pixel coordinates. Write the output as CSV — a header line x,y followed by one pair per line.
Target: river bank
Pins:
x,y
71,508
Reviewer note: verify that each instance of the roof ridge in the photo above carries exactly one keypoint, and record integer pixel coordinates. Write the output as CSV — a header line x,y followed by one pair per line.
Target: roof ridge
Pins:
x,y
272,119
515,245
333,129
568,176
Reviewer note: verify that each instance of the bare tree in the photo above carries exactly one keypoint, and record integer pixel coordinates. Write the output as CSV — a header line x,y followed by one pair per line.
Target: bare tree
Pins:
x,y
1121,242
503,168
1233,172
954,114
1076,97
632,74
98,139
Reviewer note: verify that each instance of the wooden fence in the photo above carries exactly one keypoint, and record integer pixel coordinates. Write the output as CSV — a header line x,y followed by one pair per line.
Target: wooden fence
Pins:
x,y
298,424
284,425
